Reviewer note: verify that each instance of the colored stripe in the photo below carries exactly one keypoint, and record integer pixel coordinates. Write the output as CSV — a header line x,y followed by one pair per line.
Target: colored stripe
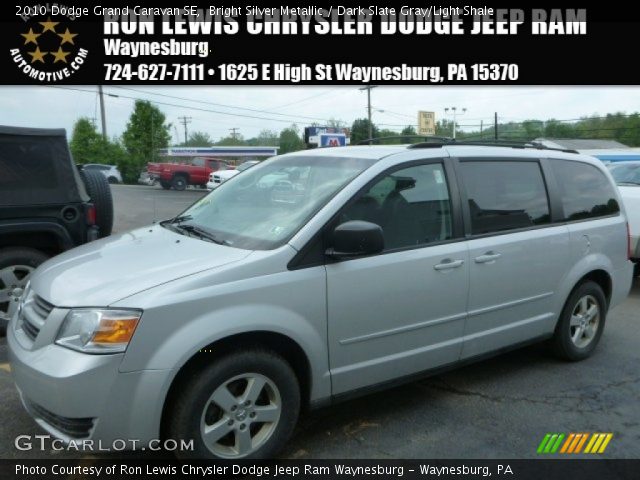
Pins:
x,y
584,439
567,442
547,449
596,446
543,442
603,447
591,442
557,444
575,442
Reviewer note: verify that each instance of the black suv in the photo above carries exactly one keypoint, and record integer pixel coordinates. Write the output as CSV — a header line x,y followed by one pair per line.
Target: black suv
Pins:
x,y
47,206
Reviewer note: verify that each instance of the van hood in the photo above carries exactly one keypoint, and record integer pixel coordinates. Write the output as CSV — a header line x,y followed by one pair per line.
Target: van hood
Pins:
x,y
101,273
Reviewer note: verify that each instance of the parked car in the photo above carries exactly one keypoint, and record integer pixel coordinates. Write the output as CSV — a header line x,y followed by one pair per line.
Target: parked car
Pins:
x,y
221,176
179,175
146,178
627,176
349,269
111,172
47,206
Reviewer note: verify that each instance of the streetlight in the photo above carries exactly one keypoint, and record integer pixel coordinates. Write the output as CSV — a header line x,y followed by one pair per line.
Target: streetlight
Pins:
x,y
455,114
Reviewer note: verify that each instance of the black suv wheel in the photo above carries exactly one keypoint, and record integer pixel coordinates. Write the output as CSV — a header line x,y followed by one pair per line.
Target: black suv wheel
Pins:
x,y
98,189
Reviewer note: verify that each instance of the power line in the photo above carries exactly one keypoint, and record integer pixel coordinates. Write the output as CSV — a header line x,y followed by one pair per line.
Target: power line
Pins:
x,y
303,100
156,102
200,101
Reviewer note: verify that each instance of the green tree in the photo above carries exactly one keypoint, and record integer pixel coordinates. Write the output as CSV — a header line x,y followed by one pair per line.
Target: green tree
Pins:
x,y
230,141
86,143
198,139
360,130
409,131
290,140
386,132
266,138
146,132
335,123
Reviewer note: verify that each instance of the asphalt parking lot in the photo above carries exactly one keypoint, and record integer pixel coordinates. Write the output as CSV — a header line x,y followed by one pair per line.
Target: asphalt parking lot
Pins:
x,y
499,408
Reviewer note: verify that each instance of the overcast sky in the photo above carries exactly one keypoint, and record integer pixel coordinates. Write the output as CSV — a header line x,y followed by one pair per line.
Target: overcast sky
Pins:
x,y
211,108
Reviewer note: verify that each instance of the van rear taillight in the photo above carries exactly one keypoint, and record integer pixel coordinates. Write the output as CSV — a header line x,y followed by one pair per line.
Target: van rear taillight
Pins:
x,y
91,215
629,252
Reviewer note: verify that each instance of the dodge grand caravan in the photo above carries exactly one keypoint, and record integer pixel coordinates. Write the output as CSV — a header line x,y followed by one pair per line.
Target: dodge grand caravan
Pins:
x,y
356,268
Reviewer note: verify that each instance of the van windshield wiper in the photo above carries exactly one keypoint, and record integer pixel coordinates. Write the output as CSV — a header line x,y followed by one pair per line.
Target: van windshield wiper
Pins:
x,y
626,182
180,219
200,232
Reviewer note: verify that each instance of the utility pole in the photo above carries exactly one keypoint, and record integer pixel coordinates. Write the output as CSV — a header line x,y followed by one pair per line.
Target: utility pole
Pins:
x,y
233,131
185,121
455,114
368,89
481,129
495,126
103,115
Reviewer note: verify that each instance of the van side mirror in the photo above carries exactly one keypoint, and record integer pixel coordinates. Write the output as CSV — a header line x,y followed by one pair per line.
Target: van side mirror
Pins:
x,y
355,238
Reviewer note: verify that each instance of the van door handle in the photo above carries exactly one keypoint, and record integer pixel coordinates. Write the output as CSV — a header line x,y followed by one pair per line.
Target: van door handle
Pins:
x,y
488,257
448,264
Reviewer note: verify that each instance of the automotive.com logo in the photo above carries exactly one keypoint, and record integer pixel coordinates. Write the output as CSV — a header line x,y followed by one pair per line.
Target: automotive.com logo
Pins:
x,y
47,49
574,443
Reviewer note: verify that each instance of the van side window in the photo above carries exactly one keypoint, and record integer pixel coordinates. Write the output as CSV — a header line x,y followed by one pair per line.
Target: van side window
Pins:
x,y
412,206
505,195
584,190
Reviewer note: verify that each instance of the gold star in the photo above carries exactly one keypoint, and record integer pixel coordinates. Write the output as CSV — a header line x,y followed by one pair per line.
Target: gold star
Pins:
x,y
49,25
30,37
37,55
60,55
67,37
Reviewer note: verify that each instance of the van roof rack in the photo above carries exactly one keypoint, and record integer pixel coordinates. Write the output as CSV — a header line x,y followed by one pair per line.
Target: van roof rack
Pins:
x,y
438,142
494,143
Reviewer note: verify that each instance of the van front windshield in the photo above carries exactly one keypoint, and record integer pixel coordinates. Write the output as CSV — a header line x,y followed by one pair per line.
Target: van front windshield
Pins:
x,y
262,207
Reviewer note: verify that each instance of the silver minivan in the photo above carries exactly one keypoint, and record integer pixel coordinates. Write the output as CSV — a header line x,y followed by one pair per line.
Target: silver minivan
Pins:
x,y
312,277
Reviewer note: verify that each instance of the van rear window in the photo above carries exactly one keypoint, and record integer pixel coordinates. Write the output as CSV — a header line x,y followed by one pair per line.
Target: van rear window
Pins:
x,y
585,191
505,195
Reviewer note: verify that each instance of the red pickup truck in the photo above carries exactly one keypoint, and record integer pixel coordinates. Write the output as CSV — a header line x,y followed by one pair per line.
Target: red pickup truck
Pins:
x,y
179,175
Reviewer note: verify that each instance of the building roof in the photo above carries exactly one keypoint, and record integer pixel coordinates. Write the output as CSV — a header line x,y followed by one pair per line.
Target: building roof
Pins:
x,y
580,143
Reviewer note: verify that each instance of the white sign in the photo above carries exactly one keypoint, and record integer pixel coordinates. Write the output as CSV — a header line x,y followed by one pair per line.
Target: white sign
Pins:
x,y
426,123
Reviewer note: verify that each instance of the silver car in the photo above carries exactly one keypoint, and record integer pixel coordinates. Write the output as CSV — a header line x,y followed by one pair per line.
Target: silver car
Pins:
x,y
358,268
110,171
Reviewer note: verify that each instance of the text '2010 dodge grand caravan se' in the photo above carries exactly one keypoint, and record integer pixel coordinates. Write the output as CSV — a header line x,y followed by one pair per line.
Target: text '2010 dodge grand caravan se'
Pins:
x,y
312,276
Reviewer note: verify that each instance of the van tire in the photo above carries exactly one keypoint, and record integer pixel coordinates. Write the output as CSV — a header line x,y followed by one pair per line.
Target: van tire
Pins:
x,y
194,402
563,342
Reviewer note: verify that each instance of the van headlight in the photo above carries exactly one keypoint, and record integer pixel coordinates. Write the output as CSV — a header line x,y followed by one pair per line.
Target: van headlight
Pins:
x,y
98,331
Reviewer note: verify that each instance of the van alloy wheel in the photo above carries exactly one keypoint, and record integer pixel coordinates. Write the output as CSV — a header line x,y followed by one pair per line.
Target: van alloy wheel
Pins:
x,y
13,280
241,415
585,320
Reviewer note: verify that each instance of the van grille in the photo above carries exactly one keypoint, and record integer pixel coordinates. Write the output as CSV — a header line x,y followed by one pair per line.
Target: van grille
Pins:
x,y
35,311
72,427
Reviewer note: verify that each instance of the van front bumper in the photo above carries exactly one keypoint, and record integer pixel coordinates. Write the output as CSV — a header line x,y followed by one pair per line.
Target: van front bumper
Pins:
x,y
76,396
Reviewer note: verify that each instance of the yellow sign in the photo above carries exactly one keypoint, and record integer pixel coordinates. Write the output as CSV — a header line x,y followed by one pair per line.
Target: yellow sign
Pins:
x,y
426,123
